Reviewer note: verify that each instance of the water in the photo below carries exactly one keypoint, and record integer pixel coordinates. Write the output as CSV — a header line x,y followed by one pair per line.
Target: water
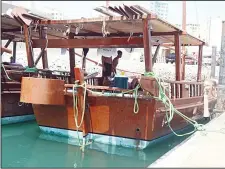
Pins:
x,y
23,146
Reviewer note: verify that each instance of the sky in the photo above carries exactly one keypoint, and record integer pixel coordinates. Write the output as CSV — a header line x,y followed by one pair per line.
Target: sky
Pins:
x,y
197,11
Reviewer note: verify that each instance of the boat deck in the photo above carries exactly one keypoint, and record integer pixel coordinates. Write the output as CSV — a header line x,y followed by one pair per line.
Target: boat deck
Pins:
x,y
202,149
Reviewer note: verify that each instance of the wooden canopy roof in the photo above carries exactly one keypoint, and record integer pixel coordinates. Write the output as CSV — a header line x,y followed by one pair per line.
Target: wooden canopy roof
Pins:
x,y
124,25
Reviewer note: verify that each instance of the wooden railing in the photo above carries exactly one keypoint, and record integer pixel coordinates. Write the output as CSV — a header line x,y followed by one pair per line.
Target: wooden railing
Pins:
x,y
17,72
175,89
183,89
95,81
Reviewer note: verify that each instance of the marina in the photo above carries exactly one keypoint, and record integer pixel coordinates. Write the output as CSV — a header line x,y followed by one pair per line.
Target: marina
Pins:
x,y
114,113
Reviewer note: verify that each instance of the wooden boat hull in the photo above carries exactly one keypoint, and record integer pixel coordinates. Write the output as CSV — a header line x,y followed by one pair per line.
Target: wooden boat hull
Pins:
x,y
108,119
12,111
113,121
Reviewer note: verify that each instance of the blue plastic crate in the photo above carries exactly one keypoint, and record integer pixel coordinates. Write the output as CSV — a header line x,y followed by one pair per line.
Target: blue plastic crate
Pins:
x,y
121,82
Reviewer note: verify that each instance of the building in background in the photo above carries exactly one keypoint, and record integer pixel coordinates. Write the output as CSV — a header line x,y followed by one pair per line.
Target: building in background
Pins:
x,y
193,29
159,8
53,14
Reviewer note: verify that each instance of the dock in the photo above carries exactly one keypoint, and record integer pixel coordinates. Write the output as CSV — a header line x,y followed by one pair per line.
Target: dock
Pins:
x,y
202,149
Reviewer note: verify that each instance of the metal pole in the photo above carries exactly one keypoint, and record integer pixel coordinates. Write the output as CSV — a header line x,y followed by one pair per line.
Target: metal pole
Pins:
x,y
222,57
213,62
221,88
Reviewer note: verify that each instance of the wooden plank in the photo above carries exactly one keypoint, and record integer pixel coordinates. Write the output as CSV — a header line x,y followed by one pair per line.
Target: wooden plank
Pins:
x,y
123,34
123,11
72,59
102,11
147,45
131,12
89,43
101,88
113,10
137,10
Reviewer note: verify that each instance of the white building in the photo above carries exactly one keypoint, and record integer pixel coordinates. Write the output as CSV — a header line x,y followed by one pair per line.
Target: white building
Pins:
x,y
193,29
53,14
160,9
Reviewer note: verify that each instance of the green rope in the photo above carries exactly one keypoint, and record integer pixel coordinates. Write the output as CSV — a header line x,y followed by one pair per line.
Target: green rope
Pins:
x,y
76,112
162,98
168,105
30,69
6,73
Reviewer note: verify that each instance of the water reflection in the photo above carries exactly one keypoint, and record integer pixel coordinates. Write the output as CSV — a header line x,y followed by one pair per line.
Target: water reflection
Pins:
x,y
23,145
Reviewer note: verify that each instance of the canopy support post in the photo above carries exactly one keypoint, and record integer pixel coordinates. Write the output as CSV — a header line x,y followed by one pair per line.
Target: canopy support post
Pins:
x,y
72,60
178,64
30,58
156,54
147,44
43,35
199,74
14,51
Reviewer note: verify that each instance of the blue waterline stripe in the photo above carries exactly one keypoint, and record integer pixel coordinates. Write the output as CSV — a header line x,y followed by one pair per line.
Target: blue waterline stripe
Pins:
x,y
107,139
17,119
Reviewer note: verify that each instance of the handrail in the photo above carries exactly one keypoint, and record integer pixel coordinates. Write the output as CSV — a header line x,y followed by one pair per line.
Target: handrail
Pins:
x,y
184,82
100,88
43,70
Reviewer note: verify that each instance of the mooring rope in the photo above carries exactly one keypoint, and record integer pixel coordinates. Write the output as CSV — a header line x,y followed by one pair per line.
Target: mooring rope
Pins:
x,y
169,107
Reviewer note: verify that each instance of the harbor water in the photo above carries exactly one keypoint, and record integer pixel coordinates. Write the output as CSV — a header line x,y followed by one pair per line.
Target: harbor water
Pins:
x,y
24,145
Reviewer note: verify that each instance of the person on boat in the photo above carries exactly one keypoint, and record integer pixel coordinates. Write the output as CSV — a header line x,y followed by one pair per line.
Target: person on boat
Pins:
x,y
106,69
85,52
116,61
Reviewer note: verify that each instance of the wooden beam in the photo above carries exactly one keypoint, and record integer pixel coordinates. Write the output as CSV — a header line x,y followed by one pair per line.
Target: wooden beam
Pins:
x,y
199,74
89,43
14,51
72,60
155,55
39,56
3,49
11,30
120,34
6,46
147,45
43,35
30,58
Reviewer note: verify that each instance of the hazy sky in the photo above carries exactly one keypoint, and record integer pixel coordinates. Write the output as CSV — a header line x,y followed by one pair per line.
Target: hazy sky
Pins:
x,y
197,11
